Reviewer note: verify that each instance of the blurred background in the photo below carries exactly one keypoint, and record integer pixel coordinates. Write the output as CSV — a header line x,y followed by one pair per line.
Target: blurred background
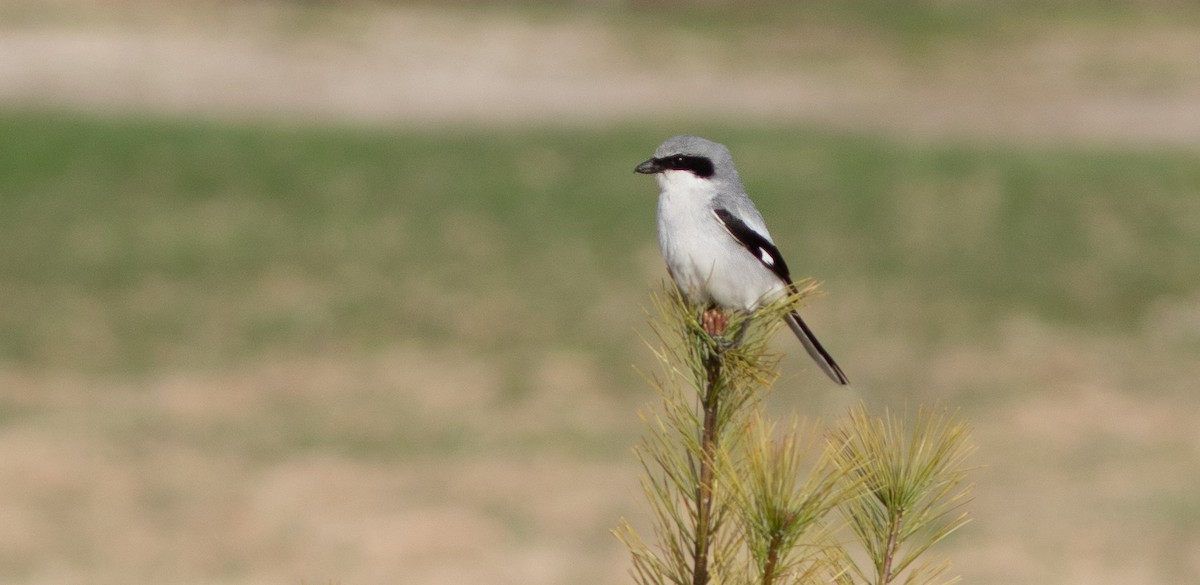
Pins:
x,y
356,292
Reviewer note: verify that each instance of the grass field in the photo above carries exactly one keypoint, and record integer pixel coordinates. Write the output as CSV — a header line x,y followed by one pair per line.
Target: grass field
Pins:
x,y
283,238
247,353
254,329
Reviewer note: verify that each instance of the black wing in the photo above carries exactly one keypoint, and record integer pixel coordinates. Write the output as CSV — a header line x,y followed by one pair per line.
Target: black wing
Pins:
x,y
768,254
755,243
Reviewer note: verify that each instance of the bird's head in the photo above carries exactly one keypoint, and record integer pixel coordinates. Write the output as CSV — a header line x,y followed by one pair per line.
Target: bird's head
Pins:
x,y
690,156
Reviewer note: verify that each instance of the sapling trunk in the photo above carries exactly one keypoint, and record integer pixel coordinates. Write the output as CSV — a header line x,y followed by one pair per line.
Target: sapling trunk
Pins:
x,y
711,405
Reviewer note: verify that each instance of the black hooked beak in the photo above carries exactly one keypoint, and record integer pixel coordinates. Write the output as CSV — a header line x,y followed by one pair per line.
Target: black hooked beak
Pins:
x,y
650,167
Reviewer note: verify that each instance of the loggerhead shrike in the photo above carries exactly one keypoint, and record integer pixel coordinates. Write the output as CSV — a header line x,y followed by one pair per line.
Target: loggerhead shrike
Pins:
x,y
715,242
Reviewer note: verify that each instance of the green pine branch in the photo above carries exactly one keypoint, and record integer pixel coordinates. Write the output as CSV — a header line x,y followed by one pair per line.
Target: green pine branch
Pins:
x,y
735,501
913,487
782,488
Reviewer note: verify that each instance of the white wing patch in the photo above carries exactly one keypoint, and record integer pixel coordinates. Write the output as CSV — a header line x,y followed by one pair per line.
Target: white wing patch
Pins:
x,y
764,255
753,242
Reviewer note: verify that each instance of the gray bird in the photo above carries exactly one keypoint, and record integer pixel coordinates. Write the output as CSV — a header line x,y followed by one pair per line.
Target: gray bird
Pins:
x,y
714,240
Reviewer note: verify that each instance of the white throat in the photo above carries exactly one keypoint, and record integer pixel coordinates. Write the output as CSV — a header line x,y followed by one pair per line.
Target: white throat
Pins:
x,y
686,186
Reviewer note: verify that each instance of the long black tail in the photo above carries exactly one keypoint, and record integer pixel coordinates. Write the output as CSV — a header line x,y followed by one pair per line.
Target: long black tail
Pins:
x,y
814,348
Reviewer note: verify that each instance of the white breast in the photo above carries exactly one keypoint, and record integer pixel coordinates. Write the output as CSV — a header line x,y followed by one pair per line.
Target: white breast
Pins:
x,y
705,261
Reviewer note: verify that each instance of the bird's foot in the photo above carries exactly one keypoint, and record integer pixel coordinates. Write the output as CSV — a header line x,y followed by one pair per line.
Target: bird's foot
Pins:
x,y
714,322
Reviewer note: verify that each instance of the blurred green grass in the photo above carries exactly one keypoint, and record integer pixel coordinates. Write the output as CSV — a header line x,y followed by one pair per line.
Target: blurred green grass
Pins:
x,y
137,244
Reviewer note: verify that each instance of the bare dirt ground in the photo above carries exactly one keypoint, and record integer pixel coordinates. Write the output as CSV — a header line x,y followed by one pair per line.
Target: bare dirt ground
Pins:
x,y
421,66
232,477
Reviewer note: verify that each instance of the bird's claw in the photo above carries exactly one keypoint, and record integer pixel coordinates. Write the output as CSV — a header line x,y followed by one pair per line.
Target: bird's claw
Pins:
x,y
716,324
